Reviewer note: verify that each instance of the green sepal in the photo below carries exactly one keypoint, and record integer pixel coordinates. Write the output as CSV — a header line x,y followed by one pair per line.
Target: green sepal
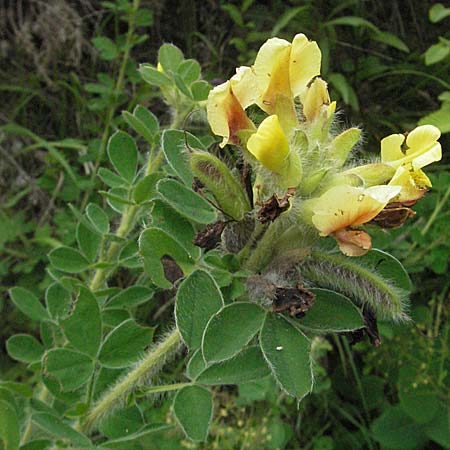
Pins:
x,y
217,178
343,143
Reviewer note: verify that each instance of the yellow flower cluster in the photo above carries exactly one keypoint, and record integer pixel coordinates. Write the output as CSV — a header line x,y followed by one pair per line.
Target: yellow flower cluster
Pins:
x,y
284,82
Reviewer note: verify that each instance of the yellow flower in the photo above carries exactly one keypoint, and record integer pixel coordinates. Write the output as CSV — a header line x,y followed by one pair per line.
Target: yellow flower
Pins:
x,y
347,206
270,146
419,149
408,156
284,69
226,106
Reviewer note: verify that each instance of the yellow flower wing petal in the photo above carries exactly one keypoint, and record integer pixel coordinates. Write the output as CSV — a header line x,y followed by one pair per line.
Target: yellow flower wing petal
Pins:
x,y
271,69
304,63
423,137
423,159
225,114
244,86
344,206
391,148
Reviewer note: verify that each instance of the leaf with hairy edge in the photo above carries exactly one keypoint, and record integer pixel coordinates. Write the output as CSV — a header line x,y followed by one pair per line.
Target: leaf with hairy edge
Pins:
x,y
83,328
72,369
28,303
185,201
198,298
155,246
225,336
287,350
331,312
190,399
123,154
25,348
174,144
9,426
246,366
124,344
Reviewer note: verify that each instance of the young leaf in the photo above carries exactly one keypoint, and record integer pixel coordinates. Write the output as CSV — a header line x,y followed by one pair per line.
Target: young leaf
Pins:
x,y
56,427
185,201
153,76
68,260
124,344
189,70
225,336
198,298
188,400
131,297
110,178
28,303
72,369
245,366
25,348
287,350
9,426
331,312
98,218
83,328
174,144
158,247
200,90
170,57
123,154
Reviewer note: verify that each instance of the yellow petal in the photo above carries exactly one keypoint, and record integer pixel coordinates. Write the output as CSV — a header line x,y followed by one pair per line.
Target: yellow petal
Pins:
x,y
344,206
414,184
269,145
304,64
271,69
391,148
244,86
226,115
423,137
314,98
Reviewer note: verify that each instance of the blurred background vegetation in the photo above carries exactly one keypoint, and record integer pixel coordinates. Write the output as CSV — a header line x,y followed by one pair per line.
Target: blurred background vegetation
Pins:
x,y
68,67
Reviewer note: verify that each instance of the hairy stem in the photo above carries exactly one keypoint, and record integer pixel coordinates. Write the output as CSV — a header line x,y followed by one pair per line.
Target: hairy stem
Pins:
x,y
153,359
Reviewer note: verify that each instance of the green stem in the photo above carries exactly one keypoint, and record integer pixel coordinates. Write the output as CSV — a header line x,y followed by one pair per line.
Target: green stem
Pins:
x,y
125,226
164,388
152,359
112,108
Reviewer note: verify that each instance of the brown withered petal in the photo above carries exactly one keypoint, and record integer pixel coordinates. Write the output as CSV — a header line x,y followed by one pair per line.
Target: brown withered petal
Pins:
x,y
394,215
210,236
273,207
296,300
172,271
353,242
